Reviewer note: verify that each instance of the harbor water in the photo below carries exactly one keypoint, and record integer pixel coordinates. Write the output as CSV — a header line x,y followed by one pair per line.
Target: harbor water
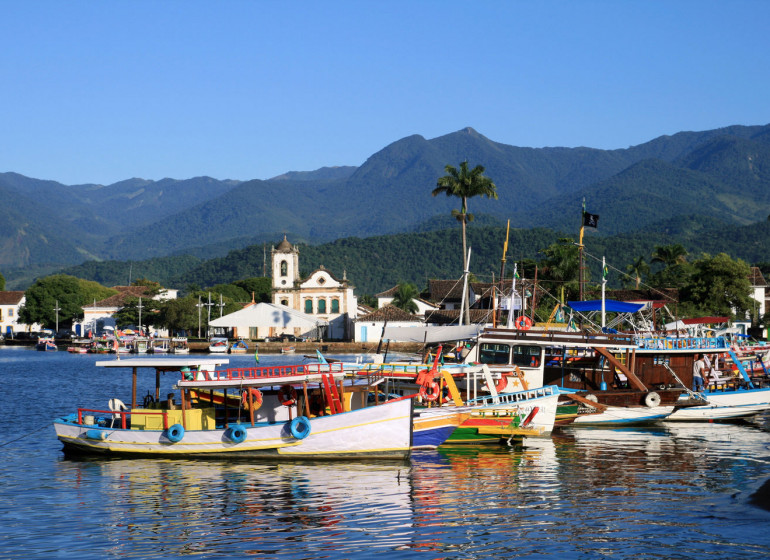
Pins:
x,y
671,491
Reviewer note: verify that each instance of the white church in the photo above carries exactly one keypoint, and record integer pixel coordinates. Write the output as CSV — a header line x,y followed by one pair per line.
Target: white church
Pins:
x,y
320,295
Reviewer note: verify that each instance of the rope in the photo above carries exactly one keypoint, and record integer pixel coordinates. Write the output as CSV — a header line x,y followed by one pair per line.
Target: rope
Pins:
x,y
25,435
694,395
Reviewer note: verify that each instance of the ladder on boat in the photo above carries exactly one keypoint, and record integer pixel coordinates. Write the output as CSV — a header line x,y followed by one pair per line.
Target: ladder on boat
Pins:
x,y
332,395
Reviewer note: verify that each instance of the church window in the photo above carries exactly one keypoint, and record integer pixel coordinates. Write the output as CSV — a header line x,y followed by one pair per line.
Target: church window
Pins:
x,y
285,302
322,306
284,268
308,306
335,306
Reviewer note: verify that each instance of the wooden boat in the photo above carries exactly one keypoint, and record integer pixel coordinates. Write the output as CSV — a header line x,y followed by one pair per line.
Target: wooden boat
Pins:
x,y
287,349
271,427
218,345
729,394
46,344
79,346
469,418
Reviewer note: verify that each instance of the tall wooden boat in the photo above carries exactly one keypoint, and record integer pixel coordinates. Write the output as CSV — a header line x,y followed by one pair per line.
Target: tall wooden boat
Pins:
x,y
270,422
730,393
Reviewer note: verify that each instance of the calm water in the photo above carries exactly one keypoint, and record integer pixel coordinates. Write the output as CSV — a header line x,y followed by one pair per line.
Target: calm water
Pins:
x,y
676,491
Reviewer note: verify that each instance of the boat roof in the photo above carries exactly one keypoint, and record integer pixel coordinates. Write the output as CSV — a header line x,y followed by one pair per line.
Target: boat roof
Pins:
x,y
580,339
165,363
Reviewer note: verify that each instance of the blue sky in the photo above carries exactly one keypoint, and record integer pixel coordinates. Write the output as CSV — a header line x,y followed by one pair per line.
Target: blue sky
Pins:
x,y
98,92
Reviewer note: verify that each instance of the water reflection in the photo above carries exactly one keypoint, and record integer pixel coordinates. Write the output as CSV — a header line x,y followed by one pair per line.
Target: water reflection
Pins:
x,y
198,506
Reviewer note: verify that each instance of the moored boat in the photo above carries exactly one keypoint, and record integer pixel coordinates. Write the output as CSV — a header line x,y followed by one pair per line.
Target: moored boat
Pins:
x,y
266,424
218,345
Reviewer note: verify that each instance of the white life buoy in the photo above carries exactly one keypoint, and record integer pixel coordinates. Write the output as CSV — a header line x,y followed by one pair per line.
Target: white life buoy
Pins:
x,y
652,399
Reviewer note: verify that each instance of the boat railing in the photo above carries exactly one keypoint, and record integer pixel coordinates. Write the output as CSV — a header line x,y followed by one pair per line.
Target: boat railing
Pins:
x,y
513,398
266,372
718,343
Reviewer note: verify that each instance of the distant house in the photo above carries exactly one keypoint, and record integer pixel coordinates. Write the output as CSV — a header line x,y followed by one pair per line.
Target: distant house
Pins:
x,y
99,314
368,328
386,298
758,291
10,303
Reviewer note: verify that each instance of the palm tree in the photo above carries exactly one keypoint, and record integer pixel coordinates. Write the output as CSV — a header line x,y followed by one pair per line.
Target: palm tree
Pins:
x,y
404,297
669,255
465,184
638,268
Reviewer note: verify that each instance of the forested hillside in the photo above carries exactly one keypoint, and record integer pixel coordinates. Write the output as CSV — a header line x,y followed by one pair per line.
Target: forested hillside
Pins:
x,y
378,263
722,176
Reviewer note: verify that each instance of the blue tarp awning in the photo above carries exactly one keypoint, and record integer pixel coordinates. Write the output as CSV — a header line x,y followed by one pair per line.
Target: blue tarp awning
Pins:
x,y
610,305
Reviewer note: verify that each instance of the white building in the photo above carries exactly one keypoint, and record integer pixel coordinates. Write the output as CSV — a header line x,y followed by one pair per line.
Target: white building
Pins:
x,y
10,303
321,294
369,327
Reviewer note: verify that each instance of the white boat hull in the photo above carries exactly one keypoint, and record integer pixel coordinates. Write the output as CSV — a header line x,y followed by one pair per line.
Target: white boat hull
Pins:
x,y
383,431
741,403
619,415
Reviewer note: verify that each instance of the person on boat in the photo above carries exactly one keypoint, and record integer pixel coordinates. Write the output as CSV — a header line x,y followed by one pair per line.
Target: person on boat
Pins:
x,y
698,373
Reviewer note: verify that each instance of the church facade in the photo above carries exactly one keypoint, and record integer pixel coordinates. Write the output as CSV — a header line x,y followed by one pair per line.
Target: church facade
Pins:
x,y
321,294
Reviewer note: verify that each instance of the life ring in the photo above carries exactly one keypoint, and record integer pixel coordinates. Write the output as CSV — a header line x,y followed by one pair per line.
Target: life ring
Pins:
x,y
300,427
434,391
175,433
256,398
502,383
287,395
523,323
236,434
652,399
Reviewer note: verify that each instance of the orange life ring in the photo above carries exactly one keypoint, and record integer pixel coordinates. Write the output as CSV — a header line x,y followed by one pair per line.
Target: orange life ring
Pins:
x,y
434,391
287,395
256,398
523,323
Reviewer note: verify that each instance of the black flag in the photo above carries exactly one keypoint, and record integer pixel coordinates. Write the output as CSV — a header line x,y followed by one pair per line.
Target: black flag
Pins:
x,y
590,220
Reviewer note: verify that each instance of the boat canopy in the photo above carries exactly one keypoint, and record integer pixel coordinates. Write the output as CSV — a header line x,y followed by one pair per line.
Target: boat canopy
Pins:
x,y
610,306
431,334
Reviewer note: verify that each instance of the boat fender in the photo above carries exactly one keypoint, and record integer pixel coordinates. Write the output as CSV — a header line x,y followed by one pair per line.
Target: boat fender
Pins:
x,y
287,395
256,398
175,433
96,434
652,399
434,391
592,398
236,434
300,427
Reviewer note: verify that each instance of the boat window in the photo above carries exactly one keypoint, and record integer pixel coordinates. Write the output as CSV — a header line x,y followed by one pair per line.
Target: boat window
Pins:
x,y
526,356
308,306
661,359
335,306
494,353
322,306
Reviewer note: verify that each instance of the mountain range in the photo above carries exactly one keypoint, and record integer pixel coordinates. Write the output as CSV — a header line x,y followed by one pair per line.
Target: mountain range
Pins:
x,y
717,176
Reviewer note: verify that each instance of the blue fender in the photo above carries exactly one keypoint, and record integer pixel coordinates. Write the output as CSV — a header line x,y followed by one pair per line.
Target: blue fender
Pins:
x,y
236,433
175,433
300,427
